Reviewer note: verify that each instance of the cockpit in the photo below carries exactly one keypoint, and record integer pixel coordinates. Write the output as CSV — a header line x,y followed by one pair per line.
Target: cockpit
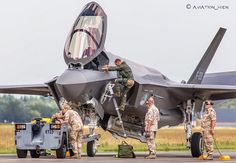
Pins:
x,y
86,37
86,40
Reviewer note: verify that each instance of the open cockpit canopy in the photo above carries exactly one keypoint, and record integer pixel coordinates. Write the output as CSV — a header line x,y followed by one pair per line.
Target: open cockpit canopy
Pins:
x,y
87,37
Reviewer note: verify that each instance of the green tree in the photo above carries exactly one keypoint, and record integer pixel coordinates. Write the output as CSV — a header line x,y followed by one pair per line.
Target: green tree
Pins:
x,y
25,108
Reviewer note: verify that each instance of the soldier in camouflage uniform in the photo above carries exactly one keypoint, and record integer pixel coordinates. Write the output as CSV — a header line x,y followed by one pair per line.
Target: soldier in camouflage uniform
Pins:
x,y
57,117
124,81
73,119
208,124
151,126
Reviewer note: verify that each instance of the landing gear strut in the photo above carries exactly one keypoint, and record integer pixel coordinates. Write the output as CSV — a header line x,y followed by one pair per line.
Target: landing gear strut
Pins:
x,y
188,122
193,141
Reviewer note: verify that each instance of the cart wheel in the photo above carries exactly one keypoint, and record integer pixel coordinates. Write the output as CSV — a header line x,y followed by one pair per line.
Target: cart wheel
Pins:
x,y
91,148
34,154
61,152
71,152
21,153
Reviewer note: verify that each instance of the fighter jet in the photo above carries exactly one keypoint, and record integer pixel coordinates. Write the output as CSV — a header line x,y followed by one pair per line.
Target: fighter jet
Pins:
x,y
89,90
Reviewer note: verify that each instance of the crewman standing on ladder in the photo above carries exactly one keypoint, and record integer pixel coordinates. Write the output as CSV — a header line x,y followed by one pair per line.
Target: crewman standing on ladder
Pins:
x,y
208,124
124,81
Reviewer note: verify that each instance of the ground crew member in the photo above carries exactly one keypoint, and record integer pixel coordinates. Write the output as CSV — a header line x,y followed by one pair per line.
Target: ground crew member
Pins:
x,y
208,124
124,81
73,119
151,125
57,117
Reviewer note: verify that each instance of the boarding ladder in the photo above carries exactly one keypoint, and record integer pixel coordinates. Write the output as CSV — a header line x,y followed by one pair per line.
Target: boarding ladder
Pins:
x,y
109,93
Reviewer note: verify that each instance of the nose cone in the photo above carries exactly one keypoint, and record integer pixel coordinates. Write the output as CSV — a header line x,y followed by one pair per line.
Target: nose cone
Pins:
x,y
71,84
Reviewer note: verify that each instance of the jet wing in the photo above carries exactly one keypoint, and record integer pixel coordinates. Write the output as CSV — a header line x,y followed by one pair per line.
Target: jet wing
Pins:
x,y
201,91
31,89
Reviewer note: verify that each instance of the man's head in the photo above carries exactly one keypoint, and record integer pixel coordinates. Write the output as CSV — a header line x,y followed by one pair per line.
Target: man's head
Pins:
x,y
150,101
208,104
117,61
65,107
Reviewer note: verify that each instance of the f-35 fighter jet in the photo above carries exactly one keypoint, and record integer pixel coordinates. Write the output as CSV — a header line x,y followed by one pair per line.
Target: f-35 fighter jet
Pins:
x,y
90,92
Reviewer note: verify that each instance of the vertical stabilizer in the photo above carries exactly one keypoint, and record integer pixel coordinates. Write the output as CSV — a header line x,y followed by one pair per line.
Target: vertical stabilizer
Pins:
x,y
199,72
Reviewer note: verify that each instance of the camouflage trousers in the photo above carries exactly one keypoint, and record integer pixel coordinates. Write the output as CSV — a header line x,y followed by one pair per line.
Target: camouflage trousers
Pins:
x,y
75,138
121,89
208,141
151,142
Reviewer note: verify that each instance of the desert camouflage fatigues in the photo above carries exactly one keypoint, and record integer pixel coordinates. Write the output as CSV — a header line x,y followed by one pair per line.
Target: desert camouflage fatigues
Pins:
x,y
76,129
153,116
57,117
208,117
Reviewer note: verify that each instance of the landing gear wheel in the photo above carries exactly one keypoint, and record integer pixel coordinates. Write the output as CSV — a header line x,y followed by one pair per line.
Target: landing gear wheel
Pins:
x,y
61,152
197,146
21,153
34,154
91,148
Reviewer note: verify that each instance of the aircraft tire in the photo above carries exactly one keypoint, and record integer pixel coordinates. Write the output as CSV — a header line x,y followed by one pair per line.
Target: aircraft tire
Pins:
x,y
197,146
34,154
61,152
21,153
91,148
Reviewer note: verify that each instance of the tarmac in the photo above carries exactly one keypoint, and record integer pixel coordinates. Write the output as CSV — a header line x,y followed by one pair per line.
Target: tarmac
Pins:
x,y
167,157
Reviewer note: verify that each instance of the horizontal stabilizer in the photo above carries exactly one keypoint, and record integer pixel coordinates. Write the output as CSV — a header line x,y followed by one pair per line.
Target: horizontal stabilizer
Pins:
x,y
220,78
202,91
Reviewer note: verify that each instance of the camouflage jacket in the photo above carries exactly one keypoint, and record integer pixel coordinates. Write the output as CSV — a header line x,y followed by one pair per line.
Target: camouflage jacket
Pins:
x,y
209,115
123,71
153,116
74,120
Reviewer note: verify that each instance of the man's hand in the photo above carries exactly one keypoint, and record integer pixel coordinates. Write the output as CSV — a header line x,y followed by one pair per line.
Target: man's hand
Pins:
x,y
105,68
212,131
147,129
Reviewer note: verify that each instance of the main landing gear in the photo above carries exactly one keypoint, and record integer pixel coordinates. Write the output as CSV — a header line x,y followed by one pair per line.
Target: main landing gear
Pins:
x,y
193,141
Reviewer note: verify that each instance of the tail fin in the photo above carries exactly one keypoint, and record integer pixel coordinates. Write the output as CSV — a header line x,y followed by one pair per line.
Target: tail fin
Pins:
x,y
202,66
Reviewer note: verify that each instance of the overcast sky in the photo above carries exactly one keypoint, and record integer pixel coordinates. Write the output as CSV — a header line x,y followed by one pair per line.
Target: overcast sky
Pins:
x,y
168,35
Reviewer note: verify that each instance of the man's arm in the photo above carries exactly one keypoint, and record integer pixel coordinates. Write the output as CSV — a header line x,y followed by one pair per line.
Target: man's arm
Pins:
x,y
213,125
64,121
148,126
111,68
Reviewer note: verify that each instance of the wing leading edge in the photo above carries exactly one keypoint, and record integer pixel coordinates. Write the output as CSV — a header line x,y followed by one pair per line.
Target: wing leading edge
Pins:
x,y
31,89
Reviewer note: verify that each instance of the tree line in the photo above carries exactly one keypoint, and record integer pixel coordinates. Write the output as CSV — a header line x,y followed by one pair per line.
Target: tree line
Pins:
x,y
25,108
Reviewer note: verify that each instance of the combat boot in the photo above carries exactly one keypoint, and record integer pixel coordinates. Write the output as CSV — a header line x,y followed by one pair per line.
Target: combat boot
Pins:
x,y
151,156
209,157
122,107
79,155
123,103
75,156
